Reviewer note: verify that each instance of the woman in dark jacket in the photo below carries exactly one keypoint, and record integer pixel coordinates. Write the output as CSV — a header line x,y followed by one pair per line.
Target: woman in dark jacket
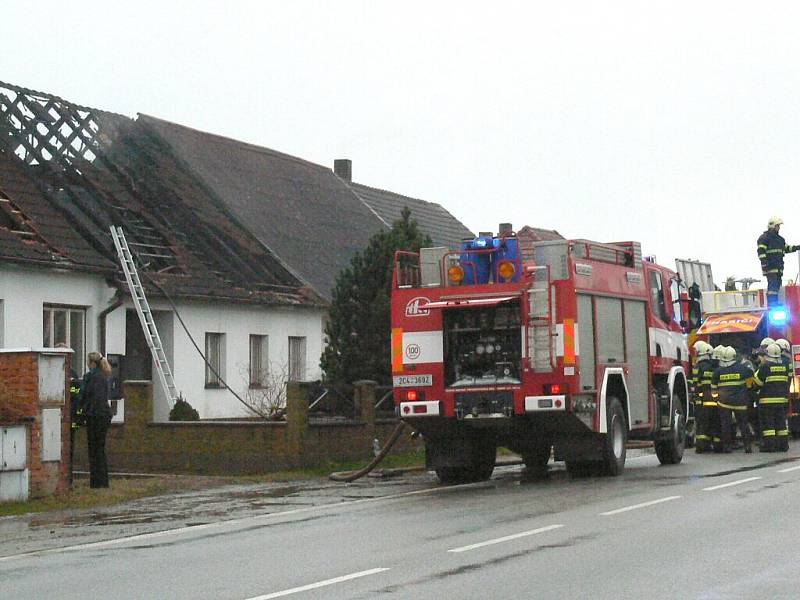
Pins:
x,y
94,402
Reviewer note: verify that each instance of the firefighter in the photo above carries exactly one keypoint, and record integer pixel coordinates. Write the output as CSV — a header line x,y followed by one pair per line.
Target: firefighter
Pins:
x,y
772,379
771,248
729,384
710,406
703,403
786,352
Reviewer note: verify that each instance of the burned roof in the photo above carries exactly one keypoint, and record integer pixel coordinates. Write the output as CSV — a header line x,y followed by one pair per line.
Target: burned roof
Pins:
x,y
300,210
432,219
69,172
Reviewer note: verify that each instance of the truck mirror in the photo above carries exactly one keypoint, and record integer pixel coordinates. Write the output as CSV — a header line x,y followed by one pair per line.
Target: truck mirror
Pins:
x,y
695,314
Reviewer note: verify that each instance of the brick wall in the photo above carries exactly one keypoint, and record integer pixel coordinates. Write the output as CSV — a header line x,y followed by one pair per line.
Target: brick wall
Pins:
x,y
19,372
139,445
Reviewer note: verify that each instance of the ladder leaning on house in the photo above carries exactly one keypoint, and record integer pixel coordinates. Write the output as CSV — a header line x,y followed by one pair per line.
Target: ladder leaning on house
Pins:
x,y
145,314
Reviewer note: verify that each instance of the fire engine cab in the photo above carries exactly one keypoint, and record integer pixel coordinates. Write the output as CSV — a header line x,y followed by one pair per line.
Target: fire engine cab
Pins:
x,y
572,346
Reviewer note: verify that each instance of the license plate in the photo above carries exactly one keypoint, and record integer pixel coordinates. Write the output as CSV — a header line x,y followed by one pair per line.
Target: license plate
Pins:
x,y
412,380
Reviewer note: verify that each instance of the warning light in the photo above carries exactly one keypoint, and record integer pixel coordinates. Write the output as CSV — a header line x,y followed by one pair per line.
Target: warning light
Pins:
x,y
555,388
411,395
455,274
506,269
778,315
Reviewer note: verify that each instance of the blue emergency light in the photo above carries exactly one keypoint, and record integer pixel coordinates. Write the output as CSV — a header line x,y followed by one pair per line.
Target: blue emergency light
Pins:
x,y
778,315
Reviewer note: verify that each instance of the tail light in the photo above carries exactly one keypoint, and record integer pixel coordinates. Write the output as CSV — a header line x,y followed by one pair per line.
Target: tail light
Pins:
x,y
554,389
414,395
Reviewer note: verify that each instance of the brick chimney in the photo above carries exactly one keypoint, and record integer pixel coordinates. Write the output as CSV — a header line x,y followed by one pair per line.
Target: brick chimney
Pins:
x,y
343,167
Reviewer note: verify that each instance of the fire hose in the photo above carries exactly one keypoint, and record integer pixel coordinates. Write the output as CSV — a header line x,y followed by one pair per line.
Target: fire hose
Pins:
x,y
348,476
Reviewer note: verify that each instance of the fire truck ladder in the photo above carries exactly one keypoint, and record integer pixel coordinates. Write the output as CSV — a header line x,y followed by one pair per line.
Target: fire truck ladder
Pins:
x,y
145,314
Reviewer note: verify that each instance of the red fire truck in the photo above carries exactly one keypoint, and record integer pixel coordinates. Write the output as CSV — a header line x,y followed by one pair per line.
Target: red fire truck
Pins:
x,y
570,345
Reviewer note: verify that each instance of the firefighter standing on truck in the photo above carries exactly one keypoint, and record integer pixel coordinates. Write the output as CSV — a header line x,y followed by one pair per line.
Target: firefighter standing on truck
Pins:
x,y
773,380
703,404
771,248
730,383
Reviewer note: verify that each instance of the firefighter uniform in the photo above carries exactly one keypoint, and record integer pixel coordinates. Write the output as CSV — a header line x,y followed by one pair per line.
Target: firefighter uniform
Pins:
x,y
772,379
729,384
705,406
771,248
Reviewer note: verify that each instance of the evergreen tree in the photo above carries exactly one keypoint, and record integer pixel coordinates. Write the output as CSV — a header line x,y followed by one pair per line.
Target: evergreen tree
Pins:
x,y
359,329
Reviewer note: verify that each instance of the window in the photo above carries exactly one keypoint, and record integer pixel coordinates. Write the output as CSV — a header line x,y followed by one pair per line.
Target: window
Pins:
x,y
677,306
215,356
657,296
64,325
259,360
297,359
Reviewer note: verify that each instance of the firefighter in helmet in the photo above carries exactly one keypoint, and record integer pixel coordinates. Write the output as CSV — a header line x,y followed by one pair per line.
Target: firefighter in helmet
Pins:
x,y
786,352
729,385
772,379
701,383
771,248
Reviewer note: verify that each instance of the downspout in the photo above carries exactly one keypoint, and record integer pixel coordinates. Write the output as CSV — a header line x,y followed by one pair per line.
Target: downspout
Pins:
x,y
118,300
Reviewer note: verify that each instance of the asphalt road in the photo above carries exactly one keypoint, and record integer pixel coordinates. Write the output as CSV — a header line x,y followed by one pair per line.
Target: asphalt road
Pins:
x,y
716,526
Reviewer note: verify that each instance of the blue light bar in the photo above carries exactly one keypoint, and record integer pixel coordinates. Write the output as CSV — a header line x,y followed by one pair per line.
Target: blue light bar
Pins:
x,y
778,315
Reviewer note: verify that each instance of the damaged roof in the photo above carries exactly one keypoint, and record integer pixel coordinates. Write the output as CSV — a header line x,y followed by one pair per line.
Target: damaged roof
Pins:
x,y
68,172
298,209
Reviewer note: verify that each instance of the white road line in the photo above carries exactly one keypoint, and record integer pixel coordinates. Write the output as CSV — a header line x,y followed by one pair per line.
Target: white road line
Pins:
x,y
231,522
506,538
789,469
319,584
636,506
729,484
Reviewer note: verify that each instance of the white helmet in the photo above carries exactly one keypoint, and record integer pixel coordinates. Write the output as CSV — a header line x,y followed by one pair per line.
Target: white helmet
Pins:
x,y
774,220
702,349
773,351
717,354
728,354
766,342
784,344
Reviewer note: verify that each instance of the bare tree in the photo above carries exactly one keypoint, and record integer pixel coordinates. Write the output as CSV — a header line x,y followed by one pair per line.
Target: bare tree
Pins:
x,y
267,396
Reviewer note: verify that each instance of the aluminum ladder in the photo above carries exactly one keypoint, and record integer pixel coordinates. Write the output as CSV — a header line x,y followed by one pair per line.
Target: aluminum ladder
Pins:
x,y
145,314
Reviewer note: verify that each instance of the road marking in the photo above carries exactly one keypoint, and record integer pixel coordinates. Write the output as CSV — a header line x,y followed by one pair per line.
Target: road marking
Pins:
x,y
319,584
506,538
730,483
636,506
234,522
789,469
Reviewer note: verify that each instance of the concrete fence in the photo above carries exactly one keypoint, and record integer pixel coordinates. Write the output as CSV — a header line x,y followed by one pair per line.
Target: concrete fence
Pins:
x,y
239,447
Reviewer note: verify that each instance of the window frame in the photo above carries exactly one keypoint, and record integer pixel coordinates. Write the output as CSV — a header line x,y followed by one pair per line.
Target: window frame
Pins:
x,y
291,370
48,332
257,382
212,381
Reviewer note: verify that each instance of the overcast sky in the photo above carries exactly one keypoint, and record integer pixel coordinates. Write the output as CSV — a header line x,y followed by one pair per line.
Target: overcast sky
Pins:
x,y
673,123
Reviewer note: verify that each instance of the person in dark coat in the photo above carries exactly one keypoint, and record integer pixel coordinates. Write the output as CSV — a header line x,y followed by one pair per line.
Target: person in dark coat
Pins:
x,y
94,405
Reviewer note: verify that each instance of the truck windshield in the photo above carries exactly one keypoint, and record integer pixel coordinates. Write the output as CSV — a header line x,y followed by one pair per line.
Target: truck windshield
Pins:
x,y
482,345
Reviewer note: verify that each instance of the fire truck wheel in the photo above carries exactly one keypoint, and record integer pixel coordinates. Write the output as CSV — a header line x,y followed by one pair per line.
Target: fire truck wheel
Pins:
x,y
616,438
670,449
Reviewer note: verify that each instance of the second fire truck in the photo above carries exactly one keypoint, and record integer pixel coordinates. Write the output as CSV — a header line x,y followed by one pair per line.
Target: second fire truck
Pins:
x,y
569,346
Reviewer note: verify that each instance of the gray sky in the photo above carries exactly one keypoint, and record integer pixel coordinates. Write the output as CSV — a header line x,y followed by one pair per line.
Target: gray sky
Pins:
x,y
673,123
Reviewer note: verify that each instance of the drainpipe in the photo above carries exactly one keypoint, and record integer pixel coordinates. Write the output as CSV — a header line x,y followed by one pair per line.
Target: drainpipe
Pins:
x,y
118,301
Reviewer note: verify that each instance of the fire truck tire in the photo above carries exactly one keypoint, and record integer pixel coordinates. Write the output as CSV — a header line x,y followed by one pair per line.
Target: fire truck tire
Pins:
x,y
615,440
670,450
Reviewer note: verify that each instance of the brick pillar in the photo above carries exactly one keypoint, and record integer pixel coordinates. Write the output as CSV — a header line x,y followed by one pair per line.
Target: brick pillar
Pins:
x,y
138,403
296,421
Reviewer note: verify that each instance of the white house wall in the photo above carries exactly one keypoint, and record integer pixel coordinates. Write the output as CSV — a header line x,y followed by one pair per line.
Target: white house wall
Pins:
x,y
24,292
238,323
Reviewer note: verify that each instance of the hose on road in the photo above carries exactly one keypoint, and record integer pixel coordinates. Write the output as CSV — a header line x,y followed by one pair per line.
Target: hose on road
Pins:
x,y
348,476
